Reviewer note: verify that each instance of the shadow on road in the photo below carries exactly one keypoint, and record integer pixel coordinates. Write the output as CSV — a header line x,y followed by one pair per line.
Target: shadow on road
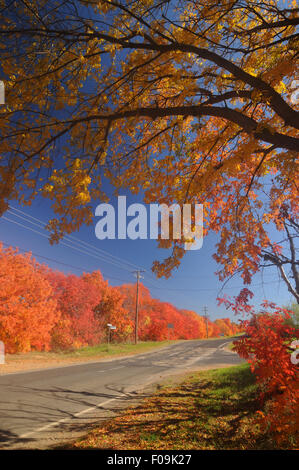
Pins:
x,y
68,409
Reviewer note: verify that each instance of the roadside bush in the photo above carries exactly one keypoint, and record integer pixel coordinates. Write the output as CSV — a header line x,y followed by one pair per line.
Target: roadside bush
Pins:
x,y
266,347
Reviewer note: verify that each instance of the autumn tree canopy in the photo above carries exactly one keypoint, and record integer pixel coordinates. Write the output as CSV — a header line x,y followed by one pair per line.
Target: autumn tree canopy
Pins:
x,y
189,101
42,309
28,310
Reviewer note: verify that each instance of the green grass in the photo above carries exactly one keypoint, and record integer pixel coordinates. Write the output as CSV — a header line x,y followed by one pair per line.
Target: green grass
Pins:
x,y
42,359
116,349
208,410
100,350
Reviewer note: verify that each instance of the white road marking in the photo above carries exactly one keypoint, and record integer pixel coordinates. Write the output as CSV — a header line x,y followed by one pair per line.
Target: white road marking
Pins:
x,y
113,368
63,420
99,405
223,344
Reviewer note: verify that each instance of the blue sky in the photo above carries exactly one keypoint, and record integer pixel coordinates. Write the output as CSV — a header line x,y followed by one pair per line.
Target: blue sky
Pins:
x,y
192,286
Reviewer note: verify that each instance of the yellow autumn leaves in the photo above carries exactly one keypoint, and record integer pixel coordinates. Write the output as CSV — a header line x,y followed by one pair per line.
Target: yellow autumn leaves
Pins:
x,y
75,182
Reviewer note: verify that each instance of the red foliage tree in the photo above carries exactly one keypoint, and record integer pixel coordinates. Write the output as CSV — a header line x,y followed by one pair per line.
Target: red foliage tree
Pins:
x,y
28,311
45,309
266,346
227,327
76,300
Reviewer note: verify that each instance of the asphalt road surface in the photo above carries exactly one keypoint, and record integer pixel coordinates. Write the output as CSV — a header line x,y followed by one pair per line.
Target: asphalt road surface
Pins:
x,y
44,408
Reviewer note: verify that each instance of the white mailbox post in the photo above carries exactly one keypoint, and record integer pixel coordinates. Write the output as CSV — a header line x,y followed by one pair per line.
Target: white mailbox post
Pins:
x,y
170,326
110,327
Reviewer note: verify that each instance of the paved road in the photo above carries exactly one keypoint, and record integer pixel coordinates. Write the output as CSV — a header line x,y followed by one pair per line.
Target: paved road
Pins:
x,y
40,409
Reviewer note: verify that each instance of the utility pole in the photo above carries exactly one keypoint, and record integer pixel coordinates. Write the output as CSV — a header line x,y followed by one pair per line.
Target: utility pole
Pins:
x,y
137,273
205,311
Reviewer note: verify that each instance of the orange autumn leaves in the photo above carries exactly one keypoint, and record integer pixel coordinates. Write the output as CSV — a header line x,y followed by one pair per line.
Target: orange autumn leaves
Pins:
x,y
44,310
27,311
186,101
267,349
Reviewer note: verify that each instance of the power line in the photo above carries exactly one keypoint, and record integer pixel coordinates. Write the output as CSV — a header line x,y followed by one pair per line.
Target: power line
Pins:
x,y
60,262
119,264
195,289
75,242
64,243
71,245
125,280
211,289
72,239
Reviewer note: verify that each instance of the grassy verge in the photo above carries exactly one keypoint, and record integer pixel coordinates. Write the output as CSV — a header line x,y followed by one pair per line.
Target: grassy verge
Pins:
x,y
40,359
208,410
35,359
114,349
